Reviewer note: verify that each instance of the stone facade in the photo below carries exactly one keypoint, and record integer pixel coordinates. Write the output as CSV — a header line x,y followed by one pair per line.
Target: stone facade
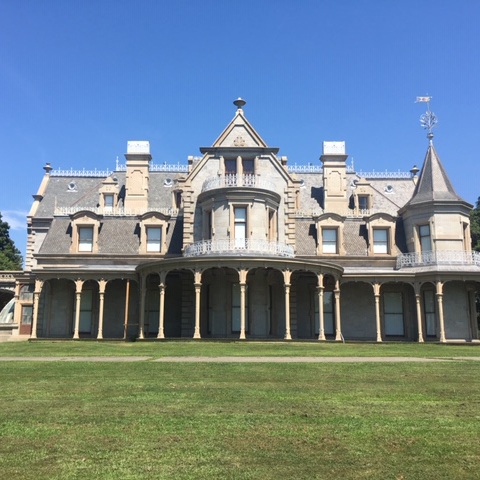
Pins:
x,y
235,244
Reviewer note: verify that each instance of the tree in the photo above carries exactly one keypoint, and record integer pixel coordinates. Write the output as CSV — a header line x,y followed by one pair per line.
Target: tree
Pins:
x,y
475,226
10,258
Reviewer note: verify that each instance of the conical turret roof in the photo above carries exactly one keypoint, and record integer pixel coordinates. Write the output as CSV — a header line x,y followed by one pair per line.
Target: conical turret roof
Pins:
x,y
433,184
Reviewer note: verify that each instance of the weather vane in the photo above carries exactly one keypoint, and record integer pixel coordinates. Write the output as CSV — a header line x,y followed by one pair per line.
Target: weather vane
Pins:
x,y
428,120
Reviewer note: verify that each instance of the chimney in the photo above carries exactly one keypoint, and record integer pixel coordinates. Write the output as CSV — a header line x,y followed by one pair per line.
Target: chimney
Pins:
x,y
136,181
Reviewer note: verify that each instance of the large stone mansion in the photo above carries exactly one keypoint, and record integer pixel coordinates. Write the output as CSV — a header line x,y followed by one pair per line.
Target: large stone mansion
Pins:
x,y
237,244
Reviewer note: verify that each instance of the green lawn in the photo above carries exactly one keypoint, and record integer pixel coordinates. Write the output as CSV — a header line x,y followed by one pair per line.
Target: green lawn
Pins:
x,y
86,420
234,348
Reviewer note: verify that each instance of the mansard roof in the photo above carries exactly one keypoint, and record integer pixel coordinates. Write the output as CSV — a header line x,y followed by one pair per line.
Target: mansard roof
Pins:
x,y
433,184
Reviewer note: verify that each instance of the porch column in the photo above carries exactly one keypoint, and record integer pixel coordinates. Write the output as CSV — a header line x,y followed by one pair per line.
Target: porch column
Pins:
x,y
127,303
102,284
198,288
36,300
242,275
321,318
338,325
78,300
376,293
286,276
418,304
161,307
143,293
441,319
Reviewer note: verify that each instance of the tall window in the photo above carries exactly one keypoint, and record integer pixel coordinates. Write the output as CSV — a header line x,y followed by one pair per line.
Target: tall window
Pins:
x,y
27,314
230,166
429,309
154,239
380,240
425,240
85,239
329,240
240,227
393,313
247,164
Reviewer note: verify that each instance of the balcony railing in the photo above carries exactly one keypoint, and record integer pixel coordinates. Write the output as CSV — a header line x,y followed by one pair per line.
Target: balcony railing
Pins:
x,y
448,257
114,212
234,180
239,247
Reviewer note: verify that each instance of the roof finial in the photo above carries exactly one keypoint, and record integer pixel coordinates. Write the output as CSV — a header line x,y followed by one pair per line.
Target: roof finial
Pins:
x,y
239,102
428,120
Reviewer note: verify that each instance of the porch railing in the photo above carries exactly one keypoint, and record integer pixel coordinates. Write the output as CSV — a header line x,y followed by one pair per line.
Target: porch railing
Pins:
x,y
234,180
447,257
241,247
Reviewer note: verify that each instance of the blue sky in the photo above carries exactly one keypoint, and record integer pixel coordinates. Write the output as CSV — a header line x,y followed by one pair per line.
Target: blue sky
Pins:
x,y
78,79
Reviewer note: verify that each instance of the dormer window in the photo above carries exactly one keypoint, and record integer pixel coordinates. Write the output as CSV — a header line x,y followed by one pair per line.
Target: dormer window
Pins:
x,y
108,200
380,240
85,228
363,202
153,232
154,239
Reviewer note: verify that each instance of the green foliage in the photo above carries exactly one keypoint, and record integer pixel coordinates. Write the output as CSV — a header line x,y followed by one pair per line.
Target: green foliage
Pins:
x,y
10,258
475,226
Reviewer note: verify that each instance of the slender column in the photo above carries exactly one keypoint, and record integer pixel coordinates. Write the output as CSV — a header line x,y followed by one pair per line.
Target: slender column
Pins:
x,y
321,316
161,307
198,289
102,284
418,304
17,314
376,293
127,304
78,301
286,276
441,318
242,274
338,324
143,294
36,300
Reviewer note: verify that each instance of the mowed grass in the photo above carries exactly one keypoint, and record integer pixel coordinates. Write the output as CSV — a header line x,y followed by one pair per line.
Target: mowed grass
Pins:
x,y
212,348
145,420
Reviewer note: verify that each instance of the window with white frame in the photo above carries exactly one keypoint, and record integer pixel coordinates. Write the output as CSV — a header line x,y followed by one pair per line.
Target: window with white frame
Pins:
x,y
240,226
329,240
85,238
380,240
108,200
424,237
154,239
363,202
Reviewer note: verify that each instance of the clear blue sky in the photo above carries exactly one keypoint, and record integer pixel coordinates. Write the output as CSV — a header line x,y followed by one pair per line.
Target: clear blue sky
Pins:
x,y
78,79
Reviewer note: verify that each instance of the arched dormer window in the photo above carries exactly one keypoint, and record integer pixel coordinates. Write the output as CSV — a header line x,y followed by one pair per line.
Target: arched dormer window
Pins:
x,y
330,234
85,229
153,233
381,234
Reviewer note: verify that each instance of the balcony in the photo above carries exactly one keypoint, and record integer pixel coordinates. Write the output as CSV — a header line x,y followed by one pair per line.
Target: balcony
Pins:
x,y
240,247
434,258
234,180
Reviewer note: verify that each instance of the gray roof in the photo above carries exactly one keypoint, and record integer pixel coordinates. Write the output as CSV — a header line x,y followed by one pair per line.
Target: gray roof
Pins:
x,y
433,184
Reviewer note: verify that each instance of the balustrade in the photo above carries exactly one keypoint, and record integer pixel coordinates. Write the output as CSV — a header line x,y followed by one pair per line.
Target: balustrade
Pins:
x,y
239,247
448,257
